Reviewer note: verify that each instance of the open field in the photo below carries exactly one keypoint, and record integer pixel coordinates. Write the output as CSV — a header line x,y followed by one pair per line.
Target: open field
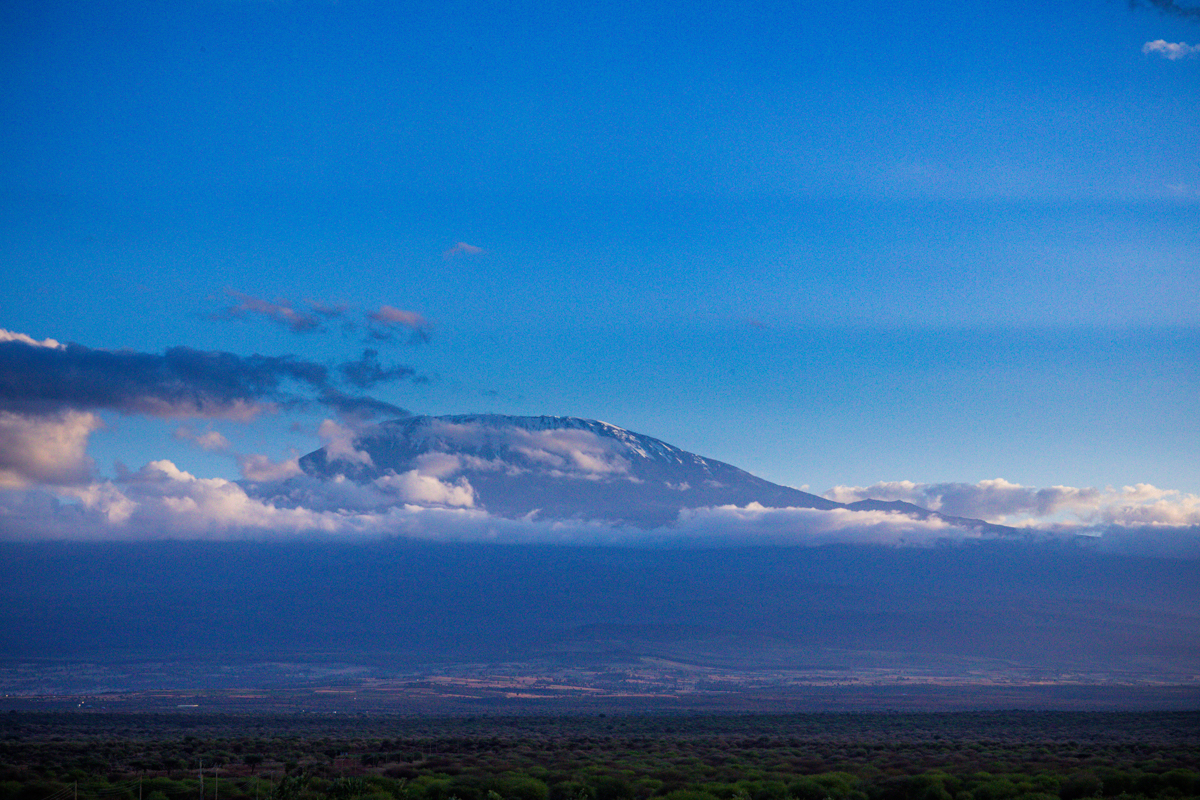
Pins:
x,y
644,685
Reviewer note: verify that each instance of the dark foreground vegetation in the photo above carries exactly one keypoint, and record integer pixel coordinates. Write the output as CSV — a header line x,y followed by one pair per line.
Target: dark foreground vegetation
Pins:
x,y
963,756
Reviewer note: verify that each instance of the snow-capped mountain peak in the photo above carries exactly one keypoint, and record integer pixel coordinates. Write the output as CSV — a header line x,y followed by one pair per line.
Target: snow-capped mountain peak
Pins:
x,y
546,467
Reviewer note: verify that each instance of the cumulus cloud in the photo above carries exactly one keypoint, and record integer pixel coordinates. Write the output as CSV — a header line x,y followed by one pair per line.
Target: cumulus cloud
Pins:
x,y
47,450
1173,51
1000,501
462,249
163,501
414,486
46,378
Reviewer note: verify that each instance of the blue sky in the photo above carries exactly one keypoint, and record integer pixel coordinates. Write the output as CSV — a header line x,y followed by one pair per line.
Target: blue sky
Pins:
x,y
834,245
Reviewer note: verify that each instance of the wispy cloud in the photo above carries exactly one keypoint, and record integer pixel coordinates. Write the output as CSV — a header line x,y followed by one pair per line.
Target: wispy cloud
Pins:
x,y
280,311
387,320
13,336
1171,50
553,453
309,317
338,441
211,441
260,468
463,249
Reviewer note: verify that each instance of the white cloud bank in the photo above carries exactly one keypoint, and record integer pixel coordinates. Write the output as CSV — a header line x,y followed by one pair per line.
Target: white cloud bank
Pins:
x,y
1013,504
160,501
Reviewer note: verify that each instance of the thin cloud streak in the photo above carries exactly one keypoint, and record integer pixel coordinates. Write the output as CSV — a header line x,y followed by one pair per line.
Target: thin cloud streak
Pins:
x,y
386,321
380,325
462,249
281,312
256,467
210,441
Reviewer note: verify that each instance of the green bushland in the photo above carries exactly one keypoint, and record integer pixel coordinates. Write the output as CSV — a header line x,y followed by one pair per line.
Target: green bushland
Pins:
x,y
1013,756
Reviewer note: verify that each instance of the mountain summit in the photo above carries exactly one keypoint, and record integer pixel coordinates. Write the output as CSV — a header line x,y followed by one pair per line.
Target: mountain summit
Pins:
x,y
557,468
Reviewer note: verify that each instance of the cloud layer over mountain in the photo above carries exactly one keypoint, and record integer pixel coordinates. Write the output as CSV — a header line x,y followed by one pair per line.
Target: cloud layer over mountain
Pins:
x,y
1003,502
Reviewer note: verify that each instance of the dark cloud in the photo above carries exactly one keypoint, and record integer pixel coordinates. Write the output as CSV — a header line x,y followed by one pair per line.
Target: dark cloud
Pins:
x,y
367,371
182,382
1175,9
359,409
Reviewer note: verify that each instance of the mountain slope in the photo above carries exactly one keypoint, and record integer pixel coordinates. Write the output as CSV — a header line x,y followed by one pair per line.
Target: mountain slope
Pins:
x,y
558,468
